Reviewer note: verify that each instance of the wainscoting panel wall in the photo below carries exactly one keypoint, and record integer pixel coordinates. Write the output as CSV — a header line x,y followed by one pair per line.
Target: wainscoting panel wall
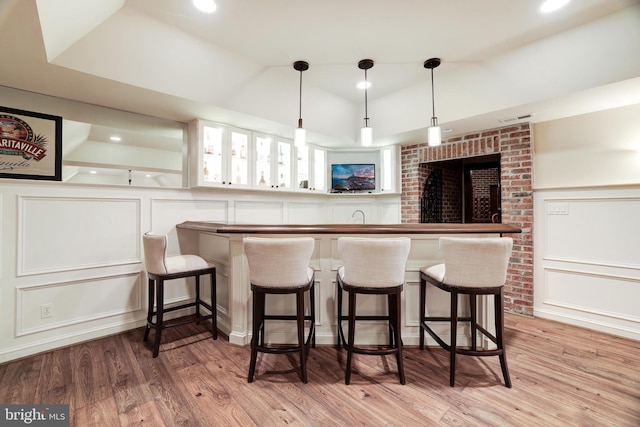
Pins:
x,y
72,259
587,258
101,231
76,301
307,212
261,212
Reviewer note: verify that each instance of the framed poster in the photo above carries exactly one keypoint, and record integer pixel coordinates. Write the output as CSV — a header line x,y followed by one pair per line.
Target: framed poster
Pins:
x,y
30,145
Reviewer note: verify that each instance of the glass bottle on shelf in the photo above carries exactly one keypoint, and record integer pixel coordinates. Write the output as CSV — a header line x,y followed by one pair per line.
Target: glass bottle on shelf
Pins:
x,y
262,182
205,171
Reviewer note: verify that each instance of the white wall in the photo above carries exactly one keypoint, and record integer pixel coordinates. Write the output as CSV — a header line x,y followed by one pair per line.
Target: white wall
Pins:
x,y
586,232
77,248
594,149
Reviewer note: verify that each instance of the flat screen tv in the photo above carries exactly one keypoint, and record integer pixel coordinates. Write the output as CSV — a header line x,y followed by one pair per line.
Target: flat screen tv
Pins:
x,y
353,177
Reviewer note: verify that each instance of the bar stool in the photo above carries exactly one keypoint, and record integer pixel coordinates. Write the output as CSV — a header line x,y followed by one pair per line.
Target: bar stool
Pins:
x,y
160,268
473,267
281,266
373,266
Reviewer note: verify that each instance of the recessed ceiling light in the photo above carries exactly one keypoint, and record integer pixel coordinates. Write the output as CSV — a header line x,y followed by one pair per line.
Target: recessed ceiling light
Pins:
x,y
206,6
115,138
93,172
363,85
552,5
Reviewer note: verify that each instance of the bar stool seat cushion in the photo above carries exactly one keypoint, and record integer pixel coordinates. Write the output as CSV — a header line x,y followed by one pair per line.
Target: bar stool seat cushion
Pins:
x,y
434,271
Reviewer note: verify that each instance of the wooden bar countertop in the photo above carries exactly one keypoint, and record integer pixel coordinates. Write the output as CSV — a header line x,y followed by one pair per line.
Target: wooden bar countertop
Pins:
x,y
476,228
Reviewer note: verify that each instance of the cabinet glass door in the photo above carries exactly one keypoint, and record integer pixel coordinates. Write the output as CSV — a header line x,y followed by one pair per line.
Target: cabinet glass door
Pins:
x,y
212,141
239,162
303,166
284,165
318,169
263,161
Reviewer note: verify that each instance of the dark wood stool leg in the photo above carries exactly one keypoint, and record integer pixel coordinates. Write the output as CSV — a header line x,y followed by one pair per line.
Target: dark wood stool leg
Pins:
x,y
150,309
423,291
352,333
258,310
312,313
390,320
499,314
396,304
339,332
474,325
197,299
159,314
454,333
214,306
303,347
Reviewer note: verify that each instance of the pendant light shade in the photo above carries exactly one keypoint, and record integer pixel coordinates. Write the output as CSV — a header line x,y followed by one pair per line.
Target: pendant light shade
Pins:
x,y
434,132
366,133
300,136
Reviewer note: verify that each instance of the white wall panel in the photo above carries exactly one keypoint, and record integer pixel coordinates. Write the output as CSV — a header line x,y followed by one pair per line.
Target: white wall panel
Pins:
x,y
166,213
259,212
587,258
595,230
68,233
308,212
76,302
389,212
606,295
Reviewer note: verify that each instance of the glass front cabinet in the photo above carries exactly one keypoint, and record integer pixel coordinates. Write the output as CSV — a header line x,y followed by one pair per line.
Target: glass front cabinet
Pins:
x,y
273,162
311,168
220,155
225,156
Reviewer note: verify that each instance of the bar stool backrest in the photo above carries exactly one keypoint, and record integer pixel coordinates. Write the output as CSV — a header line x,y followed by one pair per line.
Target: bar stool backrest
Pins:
x,y
279,262
476,261
374,262
155,252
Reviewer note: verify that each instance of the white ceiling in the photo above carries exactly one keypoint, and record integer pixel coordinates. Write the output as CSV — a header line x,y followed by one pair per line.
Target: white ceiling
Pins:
x,y
500,59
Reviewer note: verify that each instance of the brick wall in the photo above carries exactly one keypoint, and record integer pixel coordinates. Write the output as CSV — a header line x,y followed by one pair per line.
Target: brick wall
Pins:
x,y
514,145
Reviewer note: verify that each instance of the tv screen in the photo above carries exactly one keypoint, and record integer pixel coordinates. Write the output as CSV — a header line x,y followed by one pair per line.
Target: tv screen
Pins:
x,y
353,177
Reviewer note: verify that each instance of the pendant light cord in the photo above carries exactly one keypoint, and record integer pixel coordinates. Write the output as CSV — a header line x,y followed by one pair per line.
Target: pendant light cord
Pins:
x,y
433,97
300,105
366,83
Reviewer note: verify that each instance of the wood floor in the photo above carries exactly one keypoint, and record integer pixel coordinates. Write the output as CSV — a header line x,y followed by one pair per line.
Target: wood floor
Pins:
x,y
562,376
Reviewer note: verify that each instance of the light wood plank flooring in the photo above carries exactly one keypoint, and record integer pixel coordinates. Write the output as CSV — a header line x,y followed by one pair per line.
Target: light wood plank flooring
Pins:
x,y
562,376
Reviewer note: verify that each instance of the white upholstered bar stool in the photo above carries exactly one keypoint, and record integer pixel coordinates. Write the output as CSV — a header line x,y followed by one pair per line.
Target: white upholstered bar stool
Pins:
x,y
373,266
161,268
281,266
473,267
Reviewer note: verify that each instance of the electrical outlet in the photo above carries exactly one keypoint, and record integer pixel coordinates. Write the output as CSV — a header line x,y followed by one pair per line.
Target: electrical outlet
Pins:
x,y
46,310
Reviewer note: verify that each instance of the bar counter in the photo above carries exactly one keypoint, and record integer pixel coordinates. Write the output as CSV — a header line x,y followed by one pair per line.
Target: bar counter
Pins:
x,y
216,227
221,244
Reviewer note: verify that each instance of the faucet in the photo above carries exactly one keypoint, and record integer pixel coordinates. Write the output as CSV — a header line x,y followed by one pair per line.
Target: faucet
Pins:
x,y
355,212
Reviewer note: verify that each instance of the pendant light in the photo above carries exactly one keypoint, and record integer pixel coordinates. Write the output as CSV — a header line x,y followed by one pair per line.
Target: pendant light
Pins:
x,y
300,138
366,133
434,132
